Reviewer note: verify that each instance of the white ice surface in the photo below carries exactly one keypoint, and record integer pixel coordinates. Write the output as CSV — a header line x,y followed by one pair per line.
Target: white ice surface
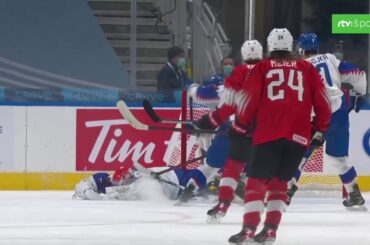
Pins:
x,y
54,218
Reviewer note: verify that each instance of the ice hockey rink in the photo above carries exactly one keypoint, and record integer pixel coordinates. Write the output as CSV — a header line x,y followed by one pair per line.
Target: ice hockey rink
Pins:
x,y
52,217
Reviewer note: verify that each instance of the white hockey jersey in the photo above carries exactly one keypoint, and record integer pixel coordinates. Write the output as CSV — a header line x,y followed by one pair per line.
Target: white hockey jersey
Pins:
x,y
334,72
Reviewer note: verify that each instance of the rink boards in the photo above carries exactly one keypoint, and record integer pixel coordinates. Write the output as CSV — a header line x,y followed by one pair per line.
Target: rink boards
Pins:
x,y
55,147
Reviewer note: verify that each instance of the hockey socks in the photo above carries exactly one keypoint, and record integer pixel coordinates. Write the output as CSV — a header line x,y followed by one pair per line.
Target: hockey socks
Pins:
x,y
253,201
229,180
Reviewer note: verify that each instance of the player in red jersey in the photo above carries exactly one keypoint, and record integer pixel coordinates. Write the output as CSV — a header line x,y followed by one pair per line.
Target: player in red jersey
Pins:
x,y
238,153
279,93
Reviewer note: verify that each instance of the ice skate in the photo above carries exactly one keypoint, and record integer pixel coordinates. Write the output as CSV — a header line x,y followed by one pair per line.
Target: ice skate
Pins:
x,y
355,201
244,237
267,236
216,214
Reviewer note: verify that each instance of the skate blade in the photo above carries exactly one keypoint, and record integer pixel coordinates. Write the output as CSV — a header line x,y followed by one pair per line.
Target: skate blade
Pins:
x,y
213,220
357,208
246,243
181,203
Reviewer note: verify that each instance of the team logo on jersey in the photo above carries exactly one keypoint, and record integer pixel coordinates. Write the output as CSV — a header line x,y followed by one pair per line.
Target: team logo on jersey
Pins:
x,y
366,142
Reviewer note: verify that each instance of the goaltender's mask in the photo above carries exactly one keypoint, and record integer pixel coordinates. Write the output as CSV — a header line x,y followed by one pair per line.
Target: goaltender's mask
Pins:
x,y
124,176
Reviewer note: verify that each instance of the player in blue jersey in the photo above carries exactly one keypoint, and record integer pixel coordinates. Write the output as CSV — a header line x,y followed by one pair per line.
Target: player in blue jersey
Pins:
x,y
206,96
335,72
227,153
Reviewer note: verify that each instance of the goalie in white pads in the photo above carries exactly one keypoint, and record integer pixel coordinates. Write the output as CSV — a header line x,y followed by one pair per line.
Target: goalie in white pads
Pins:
x,y
128,183
102,186
334,72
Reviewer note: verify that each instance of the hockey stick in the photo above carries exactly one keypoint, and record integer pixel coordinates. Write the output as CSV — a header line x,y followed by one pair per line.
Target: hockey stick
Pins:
x,y
191,108
155,174
147,171
135,123
310,153
150,111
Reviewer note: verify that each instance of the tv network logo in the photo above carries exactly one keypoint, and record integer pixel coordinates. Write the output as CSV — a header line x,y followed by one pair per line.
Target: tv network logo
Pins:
x,y
344,23
350,23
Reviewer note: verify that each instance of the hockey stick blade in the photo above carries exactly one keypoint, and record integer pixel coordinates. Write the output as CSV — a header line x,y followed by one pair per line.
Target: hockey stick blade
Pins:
x,y
153,115
145,170
135,123
126,113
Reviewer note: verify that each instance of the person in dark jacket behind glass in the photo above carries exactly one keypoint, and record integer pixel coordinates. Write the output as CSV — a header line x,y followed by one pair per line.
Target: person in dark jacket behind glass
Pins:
x,y
172,75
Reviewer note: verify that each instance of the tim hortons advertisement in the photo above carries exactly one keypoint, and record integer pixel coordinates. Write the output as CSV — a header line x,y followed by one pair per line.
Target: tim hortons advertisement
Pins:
x,y
106,141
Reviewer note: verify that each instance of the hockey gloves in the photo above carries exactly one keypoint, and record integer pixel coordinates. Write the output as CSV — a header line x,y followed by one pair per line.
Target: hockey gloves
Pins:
x,y
359,99
208,121
356,101
318,139
236,130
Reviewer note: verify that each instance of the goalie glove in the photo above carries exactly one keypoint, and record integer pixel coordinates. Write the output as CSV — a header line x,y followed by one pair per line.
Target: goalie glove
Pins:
x,y
318,139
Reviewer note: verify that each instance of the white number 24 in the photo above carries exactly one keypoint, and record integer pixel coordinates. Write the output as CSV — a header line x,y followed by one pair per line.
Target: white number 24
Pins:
x,y
280,94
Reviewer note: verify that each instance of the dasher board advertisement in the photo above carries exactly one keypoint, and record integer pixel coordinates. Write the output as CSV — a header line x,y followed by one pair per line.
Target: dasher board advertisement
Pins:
x,y
105,140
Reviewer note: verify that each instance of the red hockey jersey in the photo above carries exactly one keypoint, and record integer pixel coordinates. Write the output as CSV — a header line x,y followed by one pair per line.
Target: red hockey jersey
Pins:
x,y
280,95
232,86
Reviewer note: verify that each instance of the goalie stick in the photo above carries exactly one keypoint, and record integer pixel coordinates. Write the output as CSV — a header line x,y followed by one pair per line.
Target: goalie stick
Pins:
x,y
135,123
153,115
143,169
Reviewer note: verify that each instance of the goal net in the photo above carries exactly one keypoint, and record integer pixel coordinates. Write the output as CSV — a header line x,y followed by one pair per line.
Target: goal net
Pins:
x,y
193,143
317,177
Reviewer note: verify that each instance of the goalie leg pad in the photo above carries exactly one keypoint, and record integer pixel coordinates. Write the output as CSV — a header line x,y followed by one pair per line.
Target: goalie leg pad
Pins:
x,y
82,188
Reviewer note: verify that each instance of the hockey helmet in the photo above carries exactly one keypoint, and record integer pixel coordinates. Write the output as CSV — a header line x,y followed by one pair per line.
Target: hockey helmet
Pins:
x,y
280,40
251,50
123,176
214,79
308,41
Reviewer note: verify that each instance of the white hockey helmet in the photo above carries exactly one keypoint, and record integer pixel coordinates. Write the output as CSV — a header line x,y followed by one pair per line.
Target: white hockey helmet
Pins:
x,y
251,50
280,40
